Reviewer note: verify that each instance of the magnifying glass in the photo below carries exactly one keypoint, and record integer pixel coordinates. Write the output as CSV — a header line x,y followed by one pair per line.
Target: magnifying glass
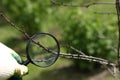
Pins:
x,y
42,50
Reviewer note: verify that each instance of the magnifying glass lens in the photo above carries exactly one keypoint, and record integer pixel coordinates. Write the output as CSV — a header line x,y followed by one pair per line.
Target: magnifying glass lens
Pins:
x,y
43,49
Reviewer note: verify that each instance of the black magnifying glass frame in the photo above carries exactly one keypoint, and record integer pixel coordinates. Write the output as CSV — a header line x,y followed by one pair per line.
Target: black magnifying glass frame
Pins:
x,y
31,39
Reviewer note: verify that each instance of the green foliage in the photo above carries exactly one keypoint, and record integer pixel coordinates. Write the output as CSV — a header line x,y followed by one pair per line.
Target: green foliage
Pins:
x,y
28,13
87,33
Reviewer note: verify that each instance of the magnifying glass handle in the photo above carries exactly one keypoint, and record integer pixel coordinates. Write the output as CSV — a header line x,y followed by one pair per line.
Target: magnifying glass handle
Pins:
x,y
26,62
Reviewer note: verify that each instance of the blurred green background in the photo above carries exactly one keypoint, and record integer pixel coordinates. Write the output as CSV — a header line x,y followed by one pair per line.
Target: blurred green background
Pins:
x,y
86,29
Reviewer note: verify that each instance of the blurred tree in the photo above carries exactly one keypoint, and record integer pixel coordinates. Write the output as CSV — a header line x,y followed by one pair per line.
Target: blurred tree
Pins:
x,y
27,12
90,35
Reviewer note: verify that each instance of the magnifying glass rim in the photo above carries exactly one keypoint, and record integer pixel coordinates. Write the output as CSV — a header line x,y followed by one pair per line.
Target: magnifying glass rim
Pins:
x,y
28,48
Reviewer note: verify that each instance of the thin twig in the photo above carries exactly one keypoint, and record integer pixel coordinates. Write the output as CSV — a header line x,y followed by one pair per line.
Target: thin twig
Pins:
x,y
78,5
79,51
107,13
12,24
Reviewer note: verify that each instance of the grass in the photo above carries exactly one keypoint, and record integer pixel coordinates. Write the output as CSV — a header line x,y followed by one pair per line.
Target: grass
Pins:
x,y
7,32
55,71
63,70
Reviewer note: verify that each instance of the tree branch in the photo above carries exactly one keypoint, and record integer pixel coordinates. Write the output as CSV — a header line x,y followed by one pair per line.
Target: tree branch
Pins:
x,y
118,16
88,58
78,5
